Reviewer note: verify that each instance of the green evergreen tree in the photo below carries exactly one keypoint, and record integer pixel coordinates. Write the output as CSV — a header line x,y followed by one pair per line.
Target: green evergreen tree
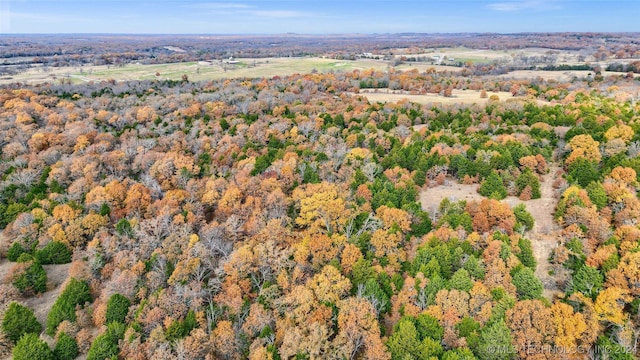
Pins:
x,y
404,340
608,349
526,253
475,267
528,178
66,348
493,187
75,293
34,278
15,250
469,329
587,280
495,343
583,172
54,253
31,347
428,326
523,216
528,286
461,280
105,346
117,308
19,320
597,195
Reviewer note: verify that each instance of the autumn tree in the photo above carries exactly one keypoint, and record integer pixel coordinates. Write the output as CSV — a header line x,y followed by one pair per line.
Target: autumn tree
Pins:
x,y
619,131
322,207
569,325
609,305
358,330
583,146
531,328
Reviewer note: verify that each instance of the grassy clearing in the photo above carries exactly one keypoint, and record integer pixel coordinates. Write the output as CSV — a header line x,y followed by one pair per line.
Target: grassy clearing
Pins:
x,y
252,68
465,97
269,67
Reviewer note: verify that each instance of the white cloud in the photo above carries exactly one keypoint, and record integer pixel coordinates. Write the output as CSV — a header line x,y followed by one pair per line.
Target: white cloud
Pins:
x,y
232,9
534,5
218,6
278,14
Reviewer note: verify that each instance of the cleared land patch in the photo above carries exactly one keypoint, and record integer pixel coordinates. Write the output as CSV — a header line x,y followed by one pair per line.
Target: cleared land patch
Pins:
x,y
282,66
196,71
466,97
541,236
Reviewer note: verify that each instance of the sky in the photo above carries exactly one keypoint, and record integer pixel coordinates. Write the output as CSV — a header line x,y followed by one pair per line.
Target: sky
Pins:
x,y
316,16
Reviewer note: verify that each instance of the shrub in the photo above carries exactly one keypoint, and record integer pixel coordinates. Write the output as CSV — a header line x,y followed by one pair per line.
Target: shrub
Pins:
x,y
66,348
528,179
32,279
15,251
523,216
461,280
105,346
526,253
597,194
528,286
493,187
19,320
75,293
54,253
31,347
117,308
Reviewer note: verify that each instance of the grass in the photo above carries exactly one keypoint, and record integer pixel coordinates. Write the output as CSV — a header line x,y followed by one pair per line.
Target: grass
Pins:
x,y
466,97
245,68
263,67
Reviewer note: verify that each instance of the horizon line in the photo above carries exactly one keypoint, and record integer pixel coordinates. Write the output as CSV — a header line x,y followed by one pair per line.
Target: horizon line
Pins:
x,y
325,34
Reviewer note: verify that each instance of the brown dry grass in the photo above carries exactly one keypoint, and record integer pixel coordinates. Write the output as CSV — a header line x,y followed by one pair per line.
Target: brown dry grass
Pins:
x,y
41,304
463,97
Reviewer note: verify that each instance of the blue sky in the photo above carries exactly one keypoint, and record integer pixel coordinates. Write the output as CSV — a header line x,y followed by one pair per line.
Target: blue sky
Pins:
x,y
315,17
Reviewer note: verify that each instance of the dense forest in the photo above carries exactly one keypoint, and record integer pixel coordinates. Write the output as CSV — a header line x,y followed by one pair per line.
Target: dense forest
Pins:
x,y
281,218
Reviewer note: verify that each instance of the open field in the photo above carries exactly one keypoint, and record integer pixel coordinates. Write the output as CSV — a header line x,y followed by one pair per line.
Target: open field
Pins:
x,y
465,97
252,68
560,76
269,67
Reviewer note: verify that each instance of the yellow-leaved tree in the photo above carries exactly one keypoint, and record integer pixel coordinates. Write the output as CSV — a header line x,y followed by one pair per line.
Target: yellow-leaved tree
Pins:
x,y
609,305
619,131
569,325
583,146
322,207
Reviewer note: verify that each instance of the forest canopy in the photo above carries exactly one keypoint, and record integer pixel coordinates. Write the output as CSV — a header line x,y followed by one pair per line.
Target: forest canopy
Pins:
x,y
291,217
